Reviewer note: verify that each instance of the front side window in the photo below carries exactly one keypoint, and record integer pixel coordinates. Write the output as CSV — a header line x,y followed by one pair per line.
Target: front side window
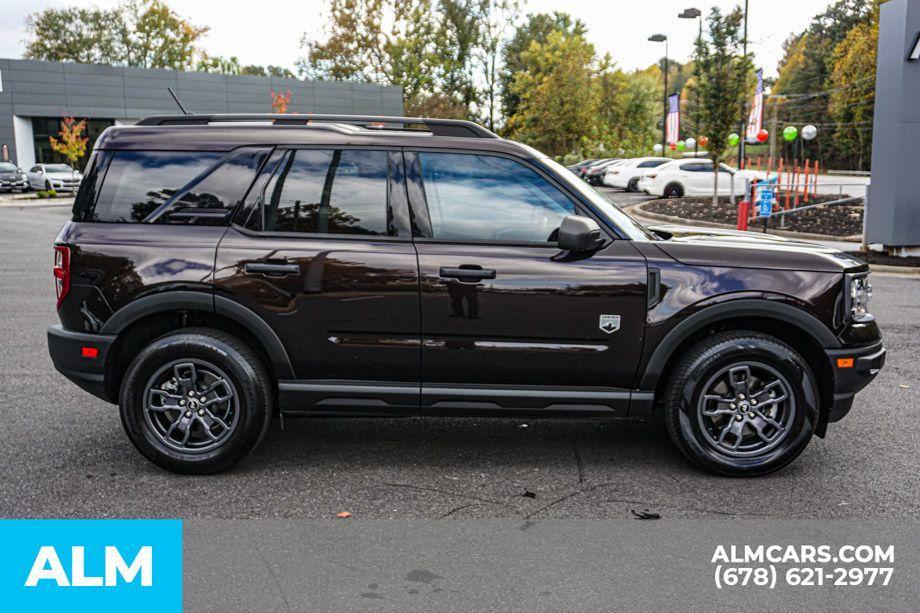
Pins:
x,y
484,197
138,183
326,192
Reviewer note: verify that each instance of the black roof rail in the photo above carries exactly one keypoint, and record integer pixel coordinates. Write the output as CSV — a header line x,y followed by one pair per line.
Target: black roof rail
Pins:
x,y
437,127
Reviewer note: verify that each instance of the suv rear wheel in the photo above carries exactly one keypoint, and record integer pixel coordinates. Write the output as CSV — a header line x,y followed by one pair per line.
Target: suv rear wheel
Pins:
x,y
196,401
741,404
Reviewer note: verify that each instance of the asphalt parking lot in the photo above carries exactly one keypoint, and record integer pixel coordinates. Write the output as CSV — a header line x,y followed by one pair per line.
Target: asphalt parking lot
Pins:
x,y
64,453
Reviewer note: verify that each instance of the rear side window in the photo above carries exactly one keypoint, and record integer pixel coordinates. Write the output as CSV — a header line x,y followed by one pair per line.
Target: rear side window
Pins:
x,y
652,164
326,191
137,183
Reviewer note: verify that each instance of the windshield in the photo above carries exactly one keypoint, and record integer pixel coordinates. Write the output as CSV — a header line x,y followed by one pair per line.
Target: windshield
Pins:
x,y
617,216
7,167
58,168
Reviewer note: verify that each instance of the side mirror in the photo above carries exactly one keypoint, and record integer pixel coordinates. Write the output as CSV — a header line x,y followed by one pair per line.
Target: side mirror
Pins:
x,y
580,234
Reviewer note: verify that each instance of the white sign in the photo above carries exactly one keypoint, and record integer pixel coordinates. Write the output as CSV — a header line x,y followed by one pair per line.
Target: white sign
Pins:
x,y
914,55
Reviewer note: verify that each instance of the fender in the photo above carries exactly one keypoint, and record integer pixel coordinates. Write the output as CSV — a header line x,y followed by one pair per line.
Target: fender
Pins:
x,y
205,301
751,307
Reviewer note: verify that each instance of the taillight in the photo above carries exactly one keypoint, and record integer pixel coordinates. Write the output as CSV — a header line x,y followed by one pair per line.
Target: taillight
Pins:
x,y
61,272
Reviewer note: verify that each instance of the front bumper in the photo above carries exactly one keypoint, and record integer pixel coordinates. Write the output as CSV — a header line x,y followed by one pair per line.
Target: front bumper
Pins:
x,y
71,353
854,369
13,184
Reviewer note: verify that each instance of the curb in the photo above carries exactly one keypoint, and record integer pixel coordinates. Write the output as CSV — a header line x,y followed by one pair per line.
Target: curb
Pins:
x,y
725,226
34,205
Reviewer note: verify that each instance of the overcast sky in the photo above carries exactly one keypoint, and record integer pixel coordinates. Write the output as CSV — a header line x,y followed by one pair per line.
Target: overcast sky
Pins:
x,y
270,33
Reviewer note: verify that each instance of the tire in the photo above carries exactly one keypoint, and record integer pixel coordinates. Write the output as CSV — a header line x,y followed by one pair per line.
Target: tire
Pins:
x,y
705,429
633,185
162,373
674,190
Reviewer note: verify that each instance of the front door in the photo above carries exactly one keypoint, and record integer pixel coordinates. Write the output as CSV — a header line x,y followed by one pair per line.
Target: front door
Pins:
x,y
507,319
322,251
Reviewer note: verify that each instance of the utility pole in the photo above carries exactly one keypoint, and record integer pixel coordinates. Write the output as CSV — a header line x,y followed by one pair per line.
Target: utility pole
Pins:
x,y
661,38
744,101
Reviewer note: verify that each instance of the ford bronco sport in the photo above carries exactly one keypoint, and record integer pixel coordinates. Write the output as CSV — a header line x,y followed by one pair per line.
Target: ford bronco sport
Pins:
x,y
220,270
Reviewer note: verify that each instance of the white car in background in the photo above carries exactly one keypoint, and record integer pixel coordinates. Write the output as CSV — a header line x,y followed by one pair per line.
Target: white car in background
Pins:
x,y
694,178
59,177
626,175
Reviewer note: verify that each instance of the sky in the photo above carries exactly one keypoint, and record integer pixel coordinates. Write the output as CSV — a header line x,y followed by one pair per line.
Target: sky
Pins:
x,y
620,27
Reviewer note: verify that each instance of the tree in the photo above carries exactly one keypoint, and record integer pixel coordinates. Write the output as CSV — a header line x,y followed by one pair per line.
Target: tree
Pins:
x,y
501,14
377,41
72,143
722,71
629,110
852,100
137,33
280,101
558,95
536,28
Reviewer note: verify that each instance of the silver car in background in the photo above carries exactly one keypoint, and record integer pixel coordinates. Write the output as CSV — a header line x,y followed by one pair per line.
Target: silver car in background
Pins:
x,y
59,177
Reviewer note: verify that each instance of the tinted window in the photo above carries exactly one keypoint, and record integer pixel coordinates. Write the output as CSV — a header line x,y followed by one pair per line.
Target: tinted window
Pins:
x,y
481,197
58,168
137,183
652,164
220,190
698,167
6,167
327,192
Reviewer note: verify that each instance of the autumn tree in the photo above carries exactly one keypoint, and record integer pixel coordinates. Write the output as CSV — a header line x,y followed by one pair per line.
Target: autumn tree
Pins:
x,y
280,101
722,71
71,143
137,33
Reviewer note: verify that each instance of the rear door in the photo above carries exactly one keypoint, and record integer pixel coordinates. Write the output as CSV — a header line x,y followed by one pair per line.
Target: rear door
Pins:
x,y
322,251
509,321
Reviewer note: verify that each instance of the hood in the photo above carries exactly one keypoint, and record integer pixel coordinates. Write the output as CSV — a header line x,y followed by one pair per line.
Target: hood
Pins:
x,y
64,175
735,249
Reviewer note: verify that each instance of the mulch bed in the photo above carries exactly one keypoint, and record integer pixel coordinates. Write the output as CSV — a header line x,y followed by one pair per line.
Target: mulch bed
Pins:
x,y
884,259
835,220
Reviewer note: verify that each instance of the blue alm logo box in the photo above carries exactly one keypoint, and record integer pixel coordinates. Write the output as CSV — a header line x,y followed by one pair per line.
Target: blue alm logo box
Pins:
x,y
91,565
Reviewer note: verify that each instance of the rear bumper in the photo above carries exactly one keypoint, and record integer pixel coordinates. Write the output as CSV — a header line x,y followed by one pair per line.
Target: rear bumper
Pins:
x,y
67,353
848,380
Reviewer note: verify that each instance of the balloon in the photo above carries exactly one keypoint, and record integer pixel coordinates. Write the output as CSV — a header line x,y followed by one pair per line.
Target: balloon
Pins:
x,y
691,143
790,133
681,145
657,148
733,139
673,146
763,136
704,140
809,132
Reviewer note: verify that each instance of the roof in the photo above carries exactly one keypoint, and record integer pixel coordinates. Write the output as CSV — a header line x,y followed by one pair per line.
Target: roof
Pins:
x,y
227,132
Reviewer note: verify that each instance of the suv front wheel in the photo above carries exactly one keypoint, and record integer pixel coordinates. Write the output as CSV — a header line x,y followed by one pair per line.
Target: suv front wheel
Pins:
x,y
741,404
196,401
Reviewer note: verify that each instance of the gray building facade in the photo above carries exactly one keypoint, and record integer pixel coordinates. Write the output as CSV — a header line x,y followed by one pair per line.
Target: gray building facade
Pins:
x,y
893,200
34,96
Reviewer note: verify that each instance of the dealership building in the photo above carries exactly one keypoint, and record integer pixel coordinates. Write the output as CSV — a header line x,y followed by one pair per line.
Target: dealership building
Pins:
x,y
34,96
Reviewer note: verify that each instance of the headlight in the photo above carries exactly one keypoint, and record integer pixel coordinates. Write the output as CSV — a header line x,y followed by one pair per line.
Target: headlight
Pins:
x,y
859,291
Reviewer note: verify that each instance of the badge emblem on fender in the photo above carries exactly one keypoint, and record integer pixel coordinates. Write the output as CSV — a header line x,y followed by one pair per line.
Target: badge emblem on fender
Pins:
x,y
609,323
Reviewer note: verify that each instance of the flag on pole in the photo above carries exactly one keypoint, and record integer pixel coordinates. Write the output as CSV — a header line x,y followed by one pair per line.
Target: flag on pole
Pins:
x,y
673,126
755,119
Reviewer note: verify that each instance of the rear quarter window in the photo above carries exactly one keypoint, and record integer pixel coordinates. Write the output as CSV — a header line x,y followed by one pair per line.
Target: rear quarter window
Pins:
x,y
173,186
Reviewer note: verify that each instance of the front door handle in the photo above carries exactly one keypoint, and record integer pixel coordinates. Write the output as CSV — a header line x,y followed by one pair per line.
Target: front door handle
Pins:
x,y
273,270
467,273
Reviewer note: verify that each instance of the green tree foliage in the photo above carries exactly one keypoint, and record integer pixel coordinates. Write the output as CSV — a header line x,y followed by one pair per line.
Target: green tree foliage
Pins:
x,y
559,95
722,73
138,33
535,28
820,65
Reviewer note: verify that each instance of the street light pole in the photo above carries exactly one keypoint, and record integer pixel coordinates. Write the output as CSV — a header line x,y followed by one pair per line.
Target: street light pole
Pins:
x,y
743,101
661,38
693,13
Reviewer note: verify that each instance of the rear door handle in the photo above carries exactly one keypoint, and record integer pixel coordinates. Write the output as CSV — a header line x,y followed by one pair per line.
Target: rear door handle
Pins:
x,y
463,273
274,270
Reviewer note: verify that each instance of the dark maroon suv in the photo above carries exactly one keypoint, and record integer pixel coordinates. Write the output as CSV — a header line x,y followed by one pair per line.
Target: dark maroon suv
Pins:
x,y
222,270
